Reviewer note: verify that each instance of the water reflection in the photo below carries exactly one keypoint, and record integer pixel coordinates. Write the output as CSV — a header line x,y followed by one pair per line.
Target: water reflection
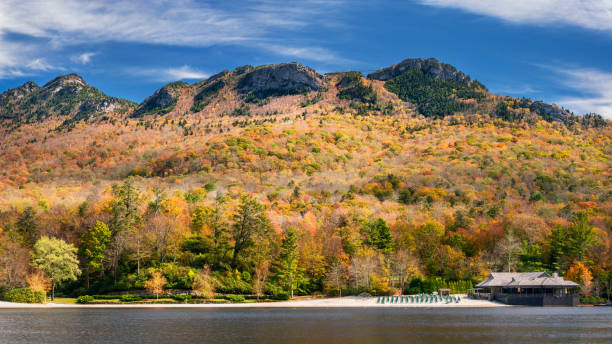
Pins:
x,y
370,325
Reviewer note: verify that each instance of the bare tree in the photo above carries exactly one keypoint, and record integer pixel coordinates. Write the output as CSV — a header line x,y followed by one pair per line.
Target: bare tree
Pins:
x,y
402,265
337,276
507,249
14,263
261,275
362,267
159,230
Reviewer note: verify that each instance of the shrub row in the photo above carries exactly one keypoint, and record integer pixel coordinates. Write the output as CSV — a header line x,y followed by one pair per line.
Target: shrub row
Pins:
x,y
592,300
179,297
23,295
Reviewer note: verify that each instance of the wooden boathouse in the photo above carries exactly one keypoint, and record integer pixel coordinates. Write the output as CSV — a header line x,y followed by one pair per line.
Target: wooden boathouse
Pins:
x,y
528,289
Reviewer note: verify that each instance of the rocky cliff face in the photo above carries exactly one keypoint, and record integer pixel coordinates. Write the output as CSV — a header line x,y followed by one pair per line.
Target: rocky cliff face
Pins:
x,y
430,67
279,80
549,112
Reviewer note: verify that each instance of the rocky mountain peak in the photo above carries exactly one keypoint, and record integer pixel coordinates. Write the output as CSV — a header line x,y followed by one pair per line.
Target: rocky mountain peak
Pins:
x,y
64,80
279,80
21,91
69,84
430,67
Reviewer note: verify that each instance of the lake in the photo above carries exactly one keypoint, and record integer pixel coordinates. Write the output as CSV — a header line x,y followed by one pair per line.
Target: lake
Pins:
x,y
308,325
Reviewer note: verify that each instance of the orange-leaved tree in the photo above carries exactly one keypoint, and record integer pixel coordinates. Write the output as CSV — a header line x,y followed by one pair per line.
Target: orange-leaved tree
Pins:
x,y
580,274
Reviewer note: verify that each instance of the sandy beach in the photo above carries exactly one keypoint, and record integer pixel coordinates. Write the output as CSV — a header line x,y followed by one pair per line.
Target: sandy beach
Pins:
x,y
336,302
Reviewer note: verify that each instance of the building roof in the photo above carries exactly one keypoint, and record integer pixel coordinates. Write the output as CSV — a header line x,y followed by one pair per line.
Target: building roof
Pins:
x,y
525,279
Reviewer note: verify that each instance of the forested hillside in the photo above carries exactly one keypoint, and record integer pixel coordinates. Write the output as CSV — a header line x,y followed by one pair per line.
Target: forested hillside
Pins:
x,y
279,181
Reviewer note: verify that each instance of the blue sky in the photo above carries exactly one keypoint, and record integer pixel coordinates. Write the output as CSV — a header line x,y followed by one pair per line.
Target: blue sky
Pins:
x,y
555,50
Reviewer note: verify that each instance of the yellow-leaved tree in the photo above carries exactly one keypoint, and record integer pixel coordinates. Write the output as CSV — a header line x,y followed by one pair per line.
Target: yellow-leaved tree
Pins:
x,y
581,275
39,283
155,284
203,284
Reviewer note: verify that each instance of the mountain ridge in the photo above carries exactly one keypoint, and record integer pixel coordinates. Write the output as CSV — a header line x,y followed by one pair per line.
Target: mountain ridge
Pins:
x,y
438,89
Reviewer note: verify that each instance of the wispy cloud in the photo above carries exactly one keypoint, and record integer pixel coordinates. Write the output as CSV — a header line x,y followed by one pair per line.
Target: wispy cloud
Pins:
x,y
13,58
590,14
56,24
518,90
83,58
593,86
309,53
39,64
170,73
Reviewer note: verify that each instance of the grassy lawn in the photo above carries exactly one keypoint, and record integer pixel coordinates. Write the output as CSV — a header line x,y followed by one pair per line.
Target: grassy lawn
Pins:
x,y
62,300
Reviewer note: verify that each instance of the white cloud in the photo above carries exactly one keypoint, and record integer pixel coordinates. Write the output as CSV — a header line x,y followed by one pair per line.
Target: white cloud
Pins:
x,y
39,64
56,24
590,14
12,57
595,85
170,74
83,58
184,73
309,53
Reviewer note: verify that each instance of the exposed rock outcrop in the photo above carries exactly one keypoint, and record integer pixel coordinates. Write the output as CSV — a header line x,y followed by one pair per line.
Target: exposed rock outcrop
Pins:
x,y
550,112
431,67
279,80
101,105
162,101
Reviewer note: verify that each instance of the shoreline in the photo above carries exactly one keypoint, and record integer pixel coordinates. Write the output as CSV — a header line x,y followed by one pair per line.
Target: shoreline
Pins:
x,y
336,302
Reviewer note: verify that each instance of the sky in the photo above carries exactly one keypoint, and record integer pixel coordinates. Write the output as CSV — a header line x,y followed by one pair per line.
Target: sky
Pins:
x,y
559,51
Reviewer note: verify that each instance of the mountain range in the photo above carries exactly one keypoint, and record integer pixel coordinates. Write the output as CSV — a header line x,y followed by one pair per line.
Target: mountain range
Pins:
x,y
435,89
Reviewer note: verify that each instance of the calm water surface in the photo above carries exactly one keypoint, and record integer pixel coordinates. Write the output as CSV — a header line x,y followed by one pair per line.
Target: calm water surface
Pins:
x,y
351,325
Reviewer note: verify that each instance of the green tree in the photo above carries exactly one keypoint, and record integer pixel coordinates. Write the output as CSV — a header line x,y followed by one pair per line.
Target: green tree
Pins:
x,y
27,225
249,221
156,205
286,268
427,238
125,219
571,243
214,220
57,259
124,210
378,234
93,248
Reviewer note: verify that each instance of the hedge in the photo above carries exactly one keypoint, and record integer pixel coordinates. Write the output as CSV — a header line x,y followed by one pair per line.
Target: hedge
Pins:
x,y
84,299
23,295
235,298
594,300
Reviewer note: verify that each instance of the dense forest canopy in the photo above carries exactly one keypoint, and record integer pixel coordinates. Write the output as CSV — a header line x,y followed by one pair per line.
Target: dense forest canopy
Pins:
x,y
355,186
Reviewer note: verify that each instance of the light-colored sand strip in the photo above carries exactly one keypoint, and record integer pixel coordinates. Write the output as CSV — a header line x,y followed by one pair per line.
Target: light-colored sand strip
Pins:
x,y
336,302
